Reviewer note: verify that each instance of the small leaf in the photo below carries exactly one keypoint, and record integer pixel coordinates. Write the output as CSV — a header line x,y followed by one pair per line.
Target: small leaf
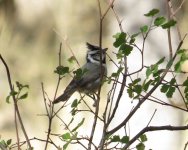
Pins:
x,y
140,146
143,138
79,125
9,141
148,72
66,136
66,145
130,92
126,49
13,93
185,83
115,74
159,21
146,85
181,51
177,66
71,59
79,73
8,99
136,81
152,13
115,138
74,103
134,35
3,143
164,88
24,96
19,85
138,89
144,29
125,139
161,61
62,70
169,24
120,39
170,92
172,81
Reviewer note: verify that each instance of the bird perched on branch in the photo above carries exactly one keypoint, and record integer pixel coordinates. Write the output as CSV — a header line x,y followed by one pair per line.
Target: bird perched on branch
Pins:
x,y
93,72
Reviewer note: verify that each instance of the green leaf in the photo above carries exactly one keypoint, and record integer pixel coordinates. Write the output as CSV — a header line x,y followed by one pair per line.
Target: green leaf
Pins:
x,y
115,138
144,29
3,143
152,13
148,72
164,88
66,136
8,99
60,70
79,125
74,103
24,96
146,85
138,90
66,145
13,93
177,66
136,81
79,73
126,49
161,61
9,141
72,59
140,146
185,83
170,92
181,51
169,24
120,39
169,64
125,139
130,92
115,74
132,40
143,138
172,81
159,21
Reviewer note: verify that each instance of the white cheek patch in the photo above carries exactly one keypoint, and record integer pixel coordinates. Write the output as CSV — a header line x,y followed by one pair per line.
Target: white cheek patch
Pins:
x,y
92,52
94,61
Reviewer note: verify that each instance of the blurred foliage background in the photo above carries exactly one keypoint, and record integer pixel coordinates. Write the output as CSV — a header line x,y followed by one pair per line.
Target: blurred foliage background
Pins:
x,y
30,34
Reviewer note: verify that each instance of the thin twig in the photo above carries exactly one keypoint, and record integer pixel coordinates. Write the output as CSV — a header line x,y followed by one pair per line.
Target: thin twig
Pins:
x,y
154,128
15,103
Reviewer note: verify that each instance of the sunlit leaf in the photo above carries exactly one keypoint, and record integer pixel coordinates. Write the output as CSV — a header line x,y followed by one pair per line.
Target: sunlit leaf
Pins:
x,y
152,13
169,24
159,21
144,29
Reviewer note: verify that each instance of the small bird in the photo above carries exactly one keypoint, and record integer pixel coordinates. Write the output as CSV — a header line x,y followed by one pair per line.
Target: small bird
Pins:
x,y
90,81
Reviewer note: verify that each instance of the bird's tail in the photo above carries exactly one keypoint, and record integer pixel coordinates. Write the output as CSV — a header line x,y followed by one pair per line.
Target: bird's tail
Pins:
x,y
65,96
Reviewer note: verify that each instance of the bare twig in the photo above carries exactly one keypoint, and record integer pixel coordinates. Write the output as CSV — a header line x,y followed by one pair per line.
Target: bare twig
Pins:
x,y
51,109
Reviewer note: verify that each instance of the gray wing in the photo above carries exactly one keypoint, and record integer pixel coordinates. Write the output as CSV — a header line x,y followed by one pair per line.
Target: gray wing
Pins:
x,y
92,74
